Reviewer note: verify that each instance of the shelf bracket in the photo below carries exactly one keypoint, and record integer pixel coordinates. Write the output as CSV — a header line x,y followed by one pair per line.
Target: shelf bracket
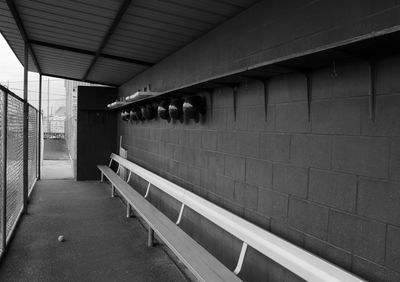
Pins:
x,y
211,97
234,93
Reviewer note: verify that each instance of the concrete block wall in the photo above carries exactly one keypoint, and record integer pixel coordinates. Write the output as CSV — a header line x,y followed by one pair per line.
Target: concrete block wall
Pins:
x,y
329,183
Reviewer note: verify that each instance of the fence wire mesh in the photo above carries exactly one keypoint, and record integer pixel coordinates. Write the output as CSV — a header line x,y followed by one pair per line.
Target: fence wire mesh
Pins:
x,y
13,162
15,119
2,232
33,135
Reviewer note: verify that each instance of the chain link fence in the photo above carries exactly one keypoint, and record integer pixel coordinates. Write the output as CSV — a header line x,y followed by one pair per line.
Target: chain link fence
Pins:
x,y
12,159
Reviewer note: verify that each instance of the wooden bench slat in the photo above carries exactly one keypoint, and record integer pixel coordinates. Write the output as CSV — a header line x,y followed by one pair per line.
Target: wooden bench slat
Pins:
x,y
203,265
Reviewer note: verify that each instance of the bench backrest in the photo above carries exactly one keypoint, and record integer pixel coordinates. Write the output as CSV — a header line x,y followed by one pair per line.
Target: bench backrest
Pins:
x,y
293,258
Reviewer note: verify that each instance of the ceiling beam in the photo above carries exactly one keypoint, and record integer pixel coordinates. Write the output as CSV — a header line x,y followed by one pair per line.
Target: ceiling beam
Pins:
x,y
90,53
77,79
122,9
18,21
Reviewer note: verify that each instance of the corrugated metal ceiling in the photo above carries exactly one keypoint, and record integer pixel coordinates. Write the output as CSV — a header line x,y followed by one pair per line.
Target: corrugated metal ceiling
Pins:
x,y
108,41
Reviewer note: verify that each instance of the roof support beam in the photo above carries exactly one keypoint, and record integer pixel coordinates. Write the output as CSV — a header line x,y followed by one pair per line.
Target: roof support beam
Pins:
x,y
77,79
18,20
122,9
90,53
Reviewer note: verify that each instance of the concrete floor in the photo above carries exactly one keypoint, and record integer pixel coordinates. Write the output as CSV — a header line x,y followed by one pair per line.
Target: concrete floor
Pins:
x,y
55,149
101,244
57,169
57,163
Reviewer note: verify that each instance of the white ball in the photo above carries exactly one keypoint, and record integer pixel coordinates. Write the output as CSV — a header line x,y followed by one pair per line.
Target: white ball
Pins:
x,y
61,238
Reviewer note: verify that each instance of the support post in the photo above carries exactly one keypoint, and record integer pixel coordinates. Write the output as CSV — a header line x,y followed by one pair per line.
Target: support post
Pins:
x,y
40,128
128,210
150,237
112,191
4,172
25,130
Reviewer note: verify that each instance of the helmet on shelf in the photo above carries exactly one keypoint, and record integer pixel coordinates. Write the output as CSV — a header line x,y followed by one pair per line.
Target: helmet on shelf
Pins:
x,y
162,110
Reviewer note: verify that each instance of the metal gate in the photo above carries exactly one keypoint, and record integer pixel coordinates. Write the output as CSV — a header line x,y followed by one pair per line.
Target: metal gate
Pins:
x,y
12,160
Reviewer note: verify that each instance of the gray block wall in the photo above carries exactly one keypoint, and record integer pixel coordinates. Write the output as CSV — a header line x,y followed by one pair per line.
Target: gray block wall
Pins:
x,y
329,184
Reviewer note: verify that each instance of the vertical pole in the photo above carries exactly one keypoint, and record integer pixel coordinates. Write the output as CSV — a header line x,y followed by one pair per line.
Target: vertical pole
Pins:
x,y
4,172
25,130
40,128
150,237
48,105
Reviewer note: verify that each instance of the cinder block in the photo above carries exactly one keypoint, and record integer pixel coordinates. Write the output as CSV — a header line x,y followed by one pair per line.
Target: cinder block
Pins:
x,y
336,117
256,118
235,167
368,156
387,75
368,270
285,88
250,94
173,137
290,180
208,180
213,161
311,151
222,97
379,200
308,217
251,198
265,202
258,219
283,230
234,207
217,119
275,147
337,190
224,186
280,203
226,142
391,275
238,122
292,117
247,144
209,140
362,237
340,81
239,192
387,121
328,252
259,173
394,166
393,248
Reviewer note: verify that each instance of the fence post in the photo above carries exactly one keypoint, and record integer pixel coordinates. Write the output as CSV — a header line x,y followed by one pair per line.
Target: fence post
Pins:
x,y
4,172
39,155
25,130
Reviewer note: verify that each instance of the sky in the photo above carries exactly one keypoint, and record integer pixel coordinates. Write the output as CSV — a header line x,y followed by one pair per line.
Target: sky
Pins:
x,y
12,76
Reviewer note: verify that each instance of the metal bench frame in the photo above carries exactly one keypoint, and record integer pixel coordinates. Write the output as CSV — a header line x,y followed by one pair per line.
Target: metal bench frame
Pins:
x,y
297,260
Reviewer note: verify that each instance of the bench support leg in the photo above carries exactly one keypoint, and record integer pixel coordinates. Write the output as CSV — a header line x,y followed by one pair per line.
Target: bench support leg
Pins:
x,y
150,237
102,177
128,210
112,191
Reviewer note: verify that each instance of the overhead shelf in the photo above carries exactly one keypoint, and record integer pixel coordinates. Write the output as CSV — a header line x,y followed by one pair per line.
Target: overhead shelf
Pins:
x,y
368,50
